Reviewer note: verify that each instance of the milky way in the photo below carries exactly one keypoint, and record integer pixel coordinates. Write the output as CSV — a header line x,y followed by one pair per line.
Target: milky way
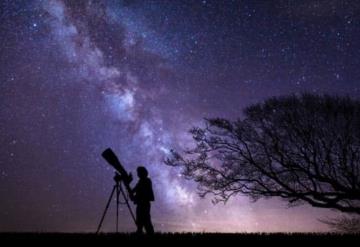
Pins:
x,y
80,76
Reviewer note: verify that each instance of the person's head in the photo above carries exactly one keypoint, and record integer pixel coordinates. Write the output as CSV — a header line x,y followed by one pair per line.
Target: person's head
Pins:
x,y
142,172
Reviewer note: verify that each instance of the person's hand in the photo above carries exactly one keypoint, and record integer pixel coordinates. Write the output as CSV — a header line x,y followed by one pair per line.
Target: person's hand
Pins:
x,y
129,178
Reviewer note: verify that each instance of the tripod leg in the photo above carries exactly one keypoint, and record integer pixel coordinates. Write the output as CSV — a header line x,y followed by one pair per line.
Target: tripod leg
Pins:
x,y
127,204
117,208
106,208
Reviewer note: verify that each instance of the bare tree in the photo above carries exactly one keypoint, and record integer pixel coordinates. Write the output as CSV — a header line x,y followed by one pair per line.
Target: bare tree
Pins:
x,y
304,149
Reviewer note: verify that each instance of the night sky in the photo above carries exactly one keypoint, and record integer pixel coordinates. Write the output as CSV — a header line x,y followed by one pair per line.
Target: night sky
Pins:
x,y
79,76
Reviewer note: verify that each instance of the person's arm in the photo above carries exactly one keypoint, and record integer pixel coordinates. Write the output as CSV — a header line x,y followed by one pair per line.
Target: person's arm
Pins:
x,y
150,191
128,187
132,192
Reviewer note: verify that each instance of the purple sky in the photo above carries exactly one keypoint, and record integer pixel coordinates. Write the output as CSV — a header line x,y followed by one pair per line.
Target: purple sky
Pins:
x,y
80,76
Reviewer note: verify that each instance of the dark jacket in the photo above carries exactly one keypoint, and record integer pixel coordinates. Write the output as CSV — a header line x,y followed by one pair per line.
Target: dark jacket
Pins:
x,y
143,192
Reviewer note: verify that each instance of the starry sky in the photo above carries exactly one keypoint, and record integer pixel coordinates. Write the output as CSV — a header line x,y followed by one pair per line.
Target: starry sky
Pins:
x,y
79,76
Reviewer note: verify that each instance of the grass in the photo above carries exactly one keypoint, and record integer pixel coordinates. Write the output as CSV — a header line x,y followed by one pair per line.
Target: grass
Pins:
x,y
169,239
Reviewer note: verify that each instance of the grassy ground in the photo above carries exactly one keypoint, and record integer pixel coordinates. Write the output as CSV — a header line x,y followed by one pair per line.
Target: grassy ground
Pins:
x,y
169,239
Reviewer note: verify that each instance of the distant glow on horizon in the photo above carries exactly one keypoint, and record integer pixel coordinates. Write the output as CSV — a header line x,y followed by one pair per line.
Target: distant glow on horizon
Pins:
x,y
81,76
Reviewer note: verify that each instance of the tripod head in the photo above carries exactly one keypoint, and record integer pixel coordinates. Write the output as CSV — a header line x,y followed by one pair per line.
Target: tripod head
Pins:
x,y
118,178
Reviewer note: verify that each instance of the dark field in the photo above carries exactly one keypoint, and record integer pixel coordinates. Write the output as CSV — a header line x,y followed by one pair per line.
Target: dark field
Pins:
x,y
170,239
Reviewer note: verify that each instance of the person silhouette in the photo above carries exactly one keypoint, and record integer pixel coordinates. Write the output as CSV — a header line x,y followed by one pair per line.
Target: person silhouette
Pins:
x,y
142,195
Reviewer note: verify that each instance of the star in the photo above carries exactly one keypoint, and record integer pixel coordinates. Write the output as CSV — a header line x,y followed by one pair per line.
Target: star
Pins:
x,y
81,76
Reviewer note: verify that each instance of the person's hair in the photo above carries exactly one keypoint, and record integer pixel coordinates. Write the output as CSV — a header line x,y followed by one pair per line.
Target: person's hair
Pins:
x,y
142,172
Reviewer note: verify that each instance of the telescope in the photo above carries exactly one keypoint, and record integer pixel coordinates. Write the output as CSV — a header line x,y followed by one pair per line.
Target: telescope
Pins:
x,y
121,176
113,160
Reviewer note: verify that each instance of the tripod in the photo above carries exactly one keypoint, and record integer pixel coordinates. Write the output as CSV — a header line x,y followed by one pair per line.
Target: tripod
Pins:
x,y
117,189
